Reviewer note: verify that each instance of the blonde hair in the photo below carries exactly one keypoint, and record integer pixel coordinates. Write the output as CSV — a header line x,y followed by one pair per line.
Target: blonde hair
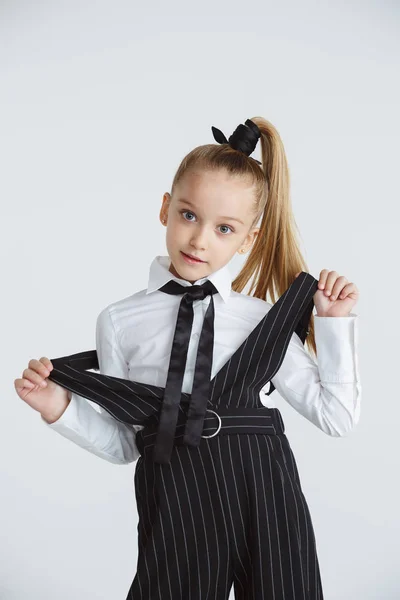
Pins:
x,y
275,257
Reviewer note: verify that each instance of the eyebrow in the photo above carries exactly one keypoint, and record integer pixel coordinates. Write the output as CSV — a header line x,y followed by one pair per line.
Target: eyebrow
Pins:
x,y
183,201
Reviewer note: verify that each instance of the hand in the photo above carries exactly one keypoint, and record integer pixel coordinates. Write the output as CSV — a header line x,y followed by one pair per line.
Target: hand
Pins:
x,y
42,394
336,296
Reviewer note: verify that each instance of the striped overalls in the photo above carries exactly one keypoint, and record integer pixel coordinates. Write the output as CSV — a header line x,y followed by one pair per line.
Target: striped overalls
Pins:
x,y
230,510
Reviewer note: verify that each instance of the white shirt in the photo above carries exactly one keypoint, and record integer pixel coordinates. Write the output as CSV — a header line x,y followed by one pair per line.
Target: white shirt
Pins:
x,y
134,340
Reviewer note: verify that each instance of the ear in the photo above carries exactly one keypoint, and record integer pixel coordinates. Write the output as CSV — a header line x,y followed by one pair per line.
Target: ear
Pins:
x,y
164,207
256,231
166,199
249,239
252,236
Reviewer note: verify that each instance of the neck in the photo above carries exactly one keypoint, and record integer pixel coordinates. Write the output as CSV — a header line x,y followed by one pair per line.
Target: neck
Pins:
x,y
175,272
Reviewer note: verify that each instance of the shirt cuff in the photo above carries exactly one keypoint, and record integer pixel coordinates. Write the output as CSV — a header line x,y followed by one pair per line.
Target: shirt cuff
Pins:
x,y
70,419
97,432
336,340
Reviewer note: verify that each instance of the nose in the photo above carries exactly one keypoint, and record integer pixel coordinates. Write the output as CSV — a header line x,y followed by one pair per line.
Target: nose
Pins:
x,y
199,239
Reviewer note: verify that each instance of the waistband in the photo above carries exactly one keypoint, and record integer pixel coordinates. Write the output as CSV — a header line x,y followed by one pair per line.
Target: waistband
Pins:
x,y
222,421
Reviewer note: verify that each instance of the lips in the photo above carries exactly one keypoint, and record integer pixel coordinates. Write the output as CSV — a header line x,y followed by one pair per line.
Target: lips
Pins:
x,y
193,257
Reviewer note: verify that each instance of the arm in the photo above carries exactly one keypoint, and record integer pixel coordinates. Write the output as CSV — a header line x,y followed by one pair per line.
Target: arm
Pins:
x,y
328,393
99,432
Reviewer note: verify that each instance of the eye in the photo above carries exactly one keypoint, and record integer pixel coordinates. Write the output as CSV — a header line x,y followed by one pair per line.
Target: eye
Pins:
x,y
227,227
186,211
183,212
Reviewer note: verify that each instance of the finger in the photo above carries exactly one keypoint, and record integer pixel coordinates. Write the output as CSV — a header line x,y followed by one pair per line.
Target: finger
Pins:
x,y
47,363
39,367
322,278
20,384
338,286
348,289
33,376
330,281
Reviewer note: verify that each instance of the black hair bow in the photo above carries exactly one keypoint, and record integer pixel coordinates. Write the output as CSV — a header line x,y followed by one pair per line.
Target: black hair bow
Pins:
x,y
244,138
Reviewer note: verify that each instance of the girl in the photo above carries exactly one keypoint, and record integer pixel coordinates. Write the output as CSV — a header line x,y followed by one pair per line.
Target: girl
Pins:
x,y
183,364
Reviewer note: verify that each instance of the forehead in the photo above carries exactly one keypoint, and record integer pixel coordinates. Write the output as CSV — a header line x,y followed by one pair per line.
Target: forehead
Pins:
x,y
218,188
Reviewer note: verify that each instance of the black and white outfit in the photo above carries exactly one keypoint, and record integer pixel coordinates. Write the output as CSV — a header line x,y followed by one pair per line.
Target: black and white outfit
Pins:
x,y
218,491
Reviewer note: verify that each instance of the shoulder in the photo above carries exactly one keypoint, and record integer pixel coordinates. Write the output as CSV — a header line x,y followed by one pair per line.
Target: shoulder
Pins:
x,y
119,311
248,307
241,299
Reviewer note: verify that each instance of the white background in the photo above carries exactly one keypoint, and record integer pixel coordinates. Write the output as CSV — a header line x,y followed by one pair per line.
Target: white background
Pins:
x,y
99,102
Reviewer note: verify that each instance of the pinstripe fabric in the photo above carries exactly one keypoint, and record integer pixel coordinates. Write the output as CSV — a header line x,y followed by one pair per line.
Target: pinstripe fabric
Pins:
x,y
231,510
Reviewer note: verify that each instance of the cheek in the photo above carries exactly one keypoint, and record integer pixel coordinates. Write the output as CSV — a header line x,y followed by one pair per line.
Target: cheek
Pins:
x,y
174,233
175,227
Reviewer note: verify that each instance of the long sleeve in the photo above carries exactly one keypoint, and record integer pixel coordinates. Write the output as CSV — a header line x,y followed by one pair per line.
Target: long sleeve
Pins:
x,y
98,432
327,392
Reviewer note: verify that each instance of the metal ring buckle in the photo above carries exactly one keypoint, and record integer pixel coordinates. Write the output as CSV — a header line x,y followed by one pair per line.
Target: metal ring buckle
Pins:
x,y
220,423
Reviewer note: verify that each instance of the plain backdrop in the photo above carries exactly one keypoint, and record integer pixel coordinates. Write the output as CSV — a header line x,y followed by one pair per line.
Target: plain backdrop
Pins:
x,y
99,103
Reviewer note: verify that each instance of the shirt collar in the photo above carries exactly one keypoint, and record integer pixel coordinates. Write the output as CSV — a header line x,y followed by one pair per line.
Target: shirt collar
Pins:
x,y
159,275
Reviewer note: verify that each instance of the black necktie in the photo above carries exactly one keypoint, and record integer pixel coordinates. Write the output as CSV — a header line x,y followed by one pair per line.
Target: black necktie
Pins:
x,y
202,374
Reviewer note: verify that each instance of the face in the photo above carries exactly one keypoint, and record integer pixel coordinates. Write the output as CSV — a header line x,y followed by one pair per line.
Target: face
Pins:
x,y
209,216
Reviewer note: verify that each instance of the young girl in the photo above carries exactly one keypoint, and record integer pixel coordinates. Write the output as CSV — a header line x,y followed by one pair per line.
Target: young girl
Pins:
x,y
184,368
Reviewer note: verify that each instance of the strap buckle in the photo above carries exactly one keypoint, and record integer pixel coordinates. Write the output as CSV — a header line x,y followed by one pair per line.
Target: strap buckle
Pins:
x,y
220,423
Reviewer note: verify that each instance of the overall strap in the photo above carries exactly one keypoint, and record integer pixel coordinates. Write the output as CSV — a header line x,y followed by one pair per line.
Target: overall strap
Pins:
x,y
128,401
292,313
